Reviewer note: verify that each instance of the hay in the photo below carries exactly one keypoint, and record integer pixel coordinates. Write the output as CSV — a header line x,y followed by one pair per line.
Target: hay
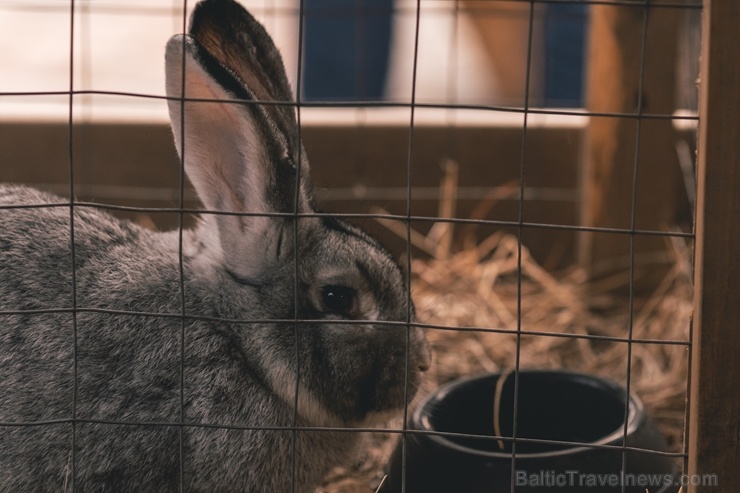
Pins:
x,y
514,313
471,290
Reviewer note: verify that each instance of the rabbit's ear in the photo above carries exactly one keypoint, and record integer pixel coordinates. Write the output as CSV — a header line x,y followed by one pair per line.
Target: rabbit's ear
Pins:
x,y
241,155
240,43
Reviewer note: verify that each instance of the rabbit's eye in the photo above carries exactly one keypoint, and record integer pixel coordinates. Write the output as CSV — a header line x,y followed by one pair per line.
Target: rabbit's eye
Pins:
x,y
339,300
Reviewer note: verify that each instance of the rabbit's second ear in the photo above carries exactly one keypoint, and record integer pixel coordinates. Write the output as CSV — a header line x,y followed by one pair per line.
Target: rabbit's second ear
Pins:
x,y
233,158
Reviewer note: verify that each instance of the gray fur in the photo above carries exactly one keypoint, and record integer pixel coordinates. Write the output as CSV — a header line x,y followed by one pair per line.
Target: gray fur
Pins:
x,y
123,410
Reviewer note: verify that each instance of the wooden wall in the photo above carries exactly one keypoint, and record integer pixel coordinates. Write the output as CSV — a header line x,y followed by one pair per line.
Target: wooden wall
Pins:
x,y
714,424
355,168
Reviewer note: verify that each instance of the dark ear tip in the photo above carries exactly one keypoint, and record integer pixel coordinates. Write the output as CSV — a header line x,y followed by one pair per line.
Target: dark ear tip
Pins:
x,y
215,12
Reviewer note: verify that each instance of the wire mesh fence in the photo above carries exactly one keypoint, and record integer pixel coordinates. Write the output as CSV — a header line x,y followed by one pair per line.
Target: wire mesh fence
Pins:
x,y
524,197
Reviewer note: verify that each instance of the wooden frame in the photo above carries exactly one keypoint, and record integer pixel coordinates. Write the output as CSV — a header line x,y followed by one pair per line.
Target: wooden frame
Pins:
x,y
714,415
631,70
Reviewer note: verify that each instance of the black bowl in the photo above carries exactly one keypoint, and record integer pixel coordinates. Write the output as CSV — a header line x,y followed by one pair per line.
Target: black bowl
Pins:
x,y
570,433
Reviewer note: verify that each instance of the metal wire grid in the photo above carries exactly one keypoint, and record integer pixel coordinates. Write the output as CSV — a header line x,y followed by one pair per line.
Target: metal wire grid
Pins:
x,y
520,225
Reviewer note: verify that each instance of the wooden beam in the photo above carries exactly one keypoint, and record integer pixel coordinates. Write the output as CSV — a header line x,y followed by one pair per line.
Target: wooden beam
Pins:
x,y
631,68
714,424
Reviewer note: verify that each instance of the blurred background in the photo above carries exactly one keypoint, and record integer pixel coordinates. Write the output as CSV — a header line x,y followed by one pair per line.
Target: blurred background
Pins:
x,y
476,66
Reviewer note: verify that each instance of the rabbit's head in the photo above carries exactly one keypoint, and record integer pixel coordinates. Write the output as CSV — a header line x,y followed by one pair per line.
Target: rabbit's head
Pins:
x,y
351,346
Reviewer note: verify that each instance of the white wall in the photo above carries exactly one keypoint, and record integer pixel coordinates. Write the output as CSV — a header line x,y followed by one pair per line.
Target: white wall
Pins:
x,y
119,46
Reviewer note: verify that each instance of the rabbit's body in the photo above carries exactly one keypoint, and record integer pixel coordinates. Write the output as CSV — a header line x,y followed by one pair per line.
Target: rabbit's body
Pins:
x,y
128,366
222,357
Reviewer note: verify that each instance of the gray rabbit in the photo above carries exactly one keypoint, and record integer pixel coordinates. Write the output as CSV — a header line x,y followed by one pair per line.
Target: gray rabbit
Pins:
x,y
234,357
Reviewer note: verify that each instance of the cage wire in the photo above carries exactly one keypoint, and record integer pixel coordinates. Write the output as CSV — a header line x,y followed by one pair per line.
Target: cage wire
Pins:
x,y
466,339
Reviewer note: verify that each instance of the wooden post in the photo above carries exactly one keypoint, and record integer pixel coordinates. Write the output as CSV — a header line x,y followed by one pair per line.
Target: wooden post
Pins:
x,y
714,423
504,30
619,81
